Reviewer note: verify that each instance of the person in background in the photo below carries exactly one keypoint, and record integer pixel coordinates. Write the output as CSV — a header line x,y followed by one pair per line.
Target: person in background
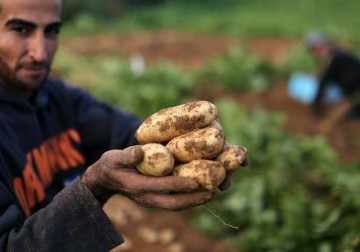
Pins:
x,y
63,154
339,67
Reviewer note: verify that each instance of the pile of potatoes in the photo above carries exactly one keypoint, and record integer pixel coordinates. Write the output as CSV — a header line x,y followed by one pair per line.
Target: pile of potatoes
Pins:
x,y
188,141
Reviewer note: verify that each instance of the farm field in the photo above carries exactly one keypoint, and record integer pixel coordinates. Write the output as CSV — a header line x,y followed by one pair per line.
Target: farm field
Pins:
x,y
300,190
190,51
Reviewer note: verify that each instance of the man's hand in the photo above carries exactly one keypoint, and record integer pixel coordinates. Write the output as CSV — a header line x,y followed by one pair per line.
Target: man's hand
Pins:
x,y
115,173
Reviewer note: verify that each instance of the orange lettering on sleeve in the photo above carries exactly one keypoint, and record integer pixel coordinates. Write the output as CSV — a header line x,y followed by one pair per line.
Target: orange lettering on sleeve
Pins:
x,y
73,156
43,165
20,194
51,157
33,187
57,155
74,135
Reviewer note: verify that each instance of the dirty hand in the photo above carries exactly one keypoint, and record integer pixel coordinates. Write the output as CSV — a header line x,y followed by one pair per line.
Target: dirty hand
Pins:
x,y
115,172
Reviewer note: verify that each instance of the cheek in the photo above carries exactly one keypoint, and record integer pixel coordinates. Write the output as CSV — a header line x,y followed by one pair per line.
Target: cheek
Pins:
x,y
7,60
52,49
11,51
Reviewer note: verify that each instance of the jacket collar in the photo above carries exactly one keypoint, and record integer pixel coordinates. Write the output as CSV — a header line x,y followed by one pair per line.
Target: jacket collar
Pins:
x,y
38,100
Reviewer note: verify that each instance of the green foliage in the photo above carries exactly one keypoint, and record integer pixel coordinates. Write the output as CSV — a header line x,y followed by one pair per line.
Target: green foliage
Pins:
x,y
243,18
294,196
112,79
74,8
297,59
103,9
237,70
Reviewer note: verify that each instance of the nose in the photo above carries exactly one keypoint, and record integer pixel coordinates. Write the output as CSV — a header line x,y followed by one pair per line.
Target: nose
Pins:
x,y
38,48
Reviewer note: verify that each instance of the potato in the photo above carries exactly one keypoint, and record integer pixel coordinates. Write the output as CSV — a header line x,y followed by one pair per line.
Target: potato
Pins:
x,y
209,174
203,143
175,121
216,124
231,156
158,161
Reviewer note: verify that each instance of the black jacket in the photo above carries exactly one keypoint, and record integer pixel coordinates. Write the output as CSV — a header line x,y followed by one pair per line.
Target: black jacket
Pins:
x,y
342,69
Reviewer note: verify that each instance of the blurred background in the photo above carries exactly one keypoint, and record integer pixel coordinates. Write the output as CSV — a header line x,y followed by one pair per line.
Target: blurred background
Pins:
x,y
299,192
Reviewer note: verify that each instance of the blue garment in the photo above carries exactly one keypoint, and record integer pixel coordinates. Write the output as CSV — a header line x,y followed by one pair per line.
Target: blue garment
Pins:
x,y
304,87
45,142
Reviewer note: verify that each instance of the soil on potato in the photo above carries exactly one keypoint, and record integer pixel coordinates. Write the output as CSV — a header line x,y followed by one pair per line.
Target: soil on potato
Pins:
x,y
154,230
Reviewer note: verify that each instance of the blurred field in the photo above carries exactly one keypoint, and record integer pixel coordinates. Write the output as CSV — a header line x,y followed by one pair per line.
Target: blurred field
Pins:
x,y
246,18
300,191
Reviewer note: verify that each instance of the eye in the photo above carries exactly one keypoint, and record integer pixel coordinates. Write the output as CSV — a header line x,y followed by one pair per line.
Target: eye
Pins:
x,y
52,32
23,30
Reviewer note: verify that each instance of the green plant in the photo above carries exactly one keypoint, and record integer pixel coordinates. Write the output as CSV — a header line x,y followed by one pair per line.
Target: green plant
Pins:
x,y
297,59
294,196
241,18
237,70
111,79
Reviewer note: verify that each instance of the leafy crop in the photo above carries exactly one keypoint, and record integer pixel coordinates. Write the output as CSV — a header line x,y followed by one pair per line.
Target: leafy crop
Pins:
x,y
112,79
298,59
294,196
241,18
237,70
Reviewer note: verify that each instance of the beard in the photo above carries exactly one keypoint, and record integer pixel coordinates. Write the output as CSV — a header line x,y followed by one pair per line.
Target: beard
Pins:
x,y
13,81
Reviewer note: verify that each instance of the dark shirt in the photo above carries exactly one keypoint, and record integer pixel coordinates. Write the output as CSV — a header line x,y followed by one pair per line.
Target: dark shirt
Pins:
x,y
343,69
45,144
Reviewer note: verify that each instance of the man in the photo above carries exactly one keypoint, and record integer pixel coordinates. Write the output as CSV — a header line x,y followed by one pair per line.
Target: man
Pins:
x,y
339,67
50,132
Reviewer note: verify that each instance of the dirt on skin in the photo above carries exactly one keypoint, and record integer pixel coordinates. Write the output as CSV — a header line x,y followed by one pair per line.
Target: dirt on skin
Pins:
x,y
144,228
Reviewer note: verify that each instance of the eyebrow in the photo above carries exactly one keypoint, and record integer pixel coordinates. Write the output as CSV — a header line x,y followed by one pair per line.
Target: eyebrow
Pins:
x,y
54,25
18,21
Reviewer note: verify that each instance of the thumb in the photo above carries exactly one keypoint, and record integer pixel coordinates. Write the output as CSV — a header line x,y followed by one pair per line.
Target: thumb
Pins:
x,y
118,158
132,155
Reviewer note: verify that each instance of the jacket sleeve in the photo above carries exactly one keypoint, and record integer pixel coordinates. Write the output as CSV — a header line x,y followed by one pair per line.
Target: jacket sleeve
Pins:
x,y
73,221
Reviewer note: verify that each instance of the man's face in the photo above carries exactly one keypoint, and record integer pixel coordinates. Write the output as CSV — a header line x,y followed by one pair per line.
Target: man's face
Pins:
x,y
28,42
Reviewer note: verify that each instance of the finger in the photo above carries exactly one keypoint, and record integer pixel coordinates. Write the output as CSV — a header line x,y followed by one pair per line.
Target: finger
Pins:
x,y
225,185
129,156
131,183
174,201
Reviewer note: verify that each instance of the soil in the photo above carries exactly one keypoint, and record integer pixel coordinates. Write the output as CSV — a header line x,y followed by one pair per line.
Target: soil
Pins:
x,y
155,230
